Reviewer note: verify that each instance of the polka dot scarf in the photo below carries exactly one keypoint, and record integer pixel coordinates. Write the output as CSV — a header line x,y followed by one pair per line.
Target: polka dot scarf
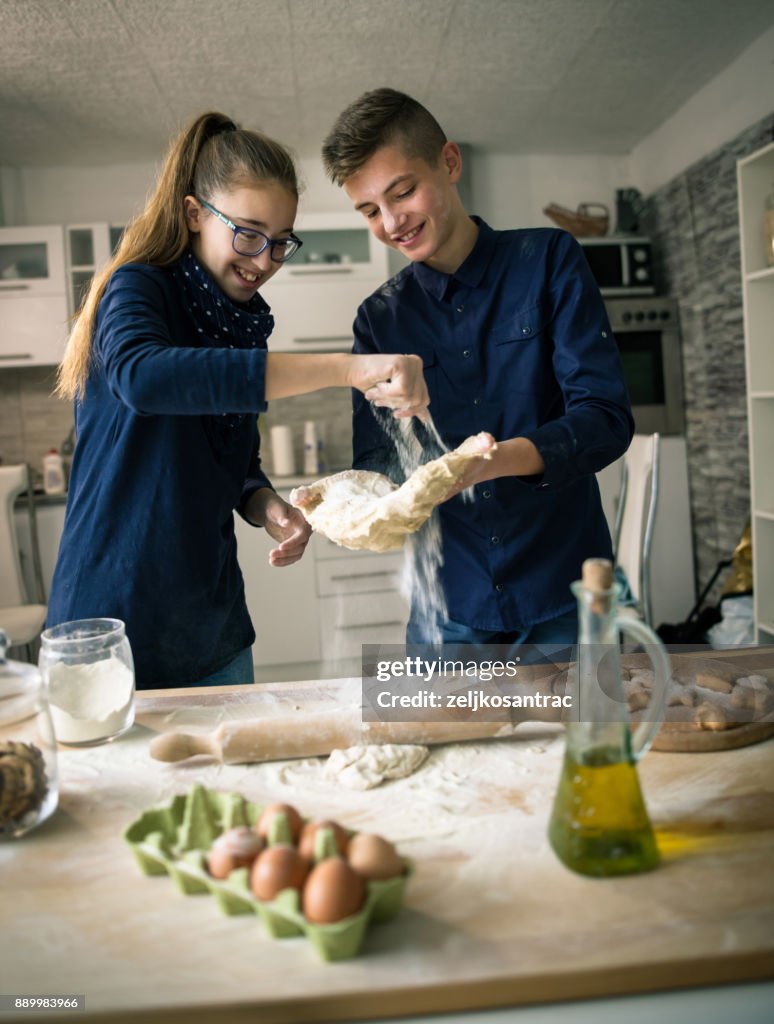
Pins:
x,y
220,323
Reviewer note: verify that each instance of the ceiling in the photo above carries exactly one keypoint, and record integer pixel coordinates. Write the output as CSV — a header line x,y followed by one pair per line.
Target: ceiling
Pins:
x,y
108,81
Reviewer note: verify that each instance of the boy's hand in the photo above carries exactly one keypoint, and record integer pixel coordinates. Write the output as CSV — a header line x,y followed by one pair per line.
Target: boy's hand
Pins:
x,y
515,457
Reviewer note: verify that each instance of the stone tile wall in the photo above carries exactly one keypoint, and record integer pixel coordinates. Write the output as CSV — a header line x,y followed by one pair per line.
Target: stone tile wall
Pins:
x,y
693,221
32,421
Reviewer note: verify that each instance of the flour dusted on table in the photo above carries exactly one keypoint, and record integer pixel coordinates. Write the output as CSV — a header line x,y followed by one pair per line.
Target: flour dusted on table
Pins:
x,y
90,702
368,765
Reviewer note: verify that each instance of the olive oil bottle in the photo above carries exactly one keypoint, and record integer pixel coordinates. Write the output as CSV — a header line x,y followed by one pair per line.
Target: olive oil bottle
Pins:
x,y
599,824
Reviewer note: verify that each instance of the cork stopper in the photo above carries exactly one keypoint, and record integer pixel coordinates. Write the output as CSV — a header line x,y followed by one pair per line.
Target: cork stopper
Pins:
x,y
597,574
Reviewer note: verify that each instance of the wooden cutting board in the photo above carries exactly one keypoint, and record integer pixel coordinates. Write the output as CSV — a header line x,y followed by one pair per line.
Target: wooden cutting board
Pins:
x,y
490,916
680,733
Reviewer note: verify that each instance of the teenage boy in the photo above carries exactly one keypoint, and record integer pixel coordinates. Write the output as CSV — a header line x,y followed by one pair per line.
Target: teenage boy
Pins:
x,y
515,340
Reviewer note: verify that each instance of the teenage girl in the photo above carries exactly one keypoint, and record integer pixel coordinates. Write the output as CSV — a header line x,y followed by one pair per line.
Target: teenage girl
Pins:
x,y
168,366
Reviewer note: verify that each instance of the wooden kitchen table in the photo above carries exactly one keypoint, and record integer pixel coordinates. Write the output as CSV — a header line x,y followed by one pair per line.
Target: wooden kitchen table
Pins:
x,y
490,917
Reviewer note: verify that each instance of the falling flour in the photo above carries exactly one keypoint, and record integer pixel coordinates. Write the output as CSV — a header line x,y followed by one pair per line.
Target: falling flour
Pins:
x,y
423,552
90,702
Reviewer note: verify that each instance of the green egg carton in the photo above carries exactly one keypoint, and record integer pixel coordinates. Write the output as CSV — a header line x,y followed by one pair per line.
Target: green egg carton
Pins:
x,y
174,839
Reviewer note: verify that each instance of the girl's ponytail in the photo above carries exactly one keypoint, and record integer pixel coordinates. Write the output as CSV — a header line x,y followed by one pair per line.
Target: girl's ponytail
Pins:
x,y
211,154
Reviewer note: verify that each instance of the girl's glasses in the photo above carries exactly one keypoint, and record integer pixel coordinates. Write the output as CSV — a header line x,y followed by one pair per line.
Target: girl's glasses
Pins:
x,y
252,242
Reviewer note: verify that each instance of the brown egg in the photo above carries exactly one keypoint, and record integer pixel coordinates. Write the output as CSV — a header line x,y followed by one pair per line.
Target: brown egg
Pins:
x,y
294,820
306,841
373,857
332,892
234,849
278,867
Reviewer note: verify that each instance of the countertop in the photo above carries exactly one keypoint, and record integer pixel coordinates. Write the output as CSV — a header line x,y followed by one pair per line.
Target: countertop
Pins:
x,y
281,483
491,918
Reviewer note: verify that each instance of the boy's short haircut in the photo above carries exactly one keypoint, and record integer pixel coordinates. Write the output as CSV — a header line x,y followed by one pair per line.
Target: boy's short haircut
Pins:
x,y
381,117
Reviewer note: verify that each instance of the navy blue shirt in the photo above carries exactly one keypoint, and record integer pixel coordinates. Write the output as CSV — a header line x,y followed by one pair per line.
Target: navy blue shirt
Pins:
x,y
515,342
167,449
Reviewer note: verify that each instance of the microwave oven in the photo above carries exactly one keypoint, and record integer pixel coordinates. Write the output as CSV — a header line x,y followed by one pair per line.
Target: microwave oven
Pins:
x,y
621,265
647,332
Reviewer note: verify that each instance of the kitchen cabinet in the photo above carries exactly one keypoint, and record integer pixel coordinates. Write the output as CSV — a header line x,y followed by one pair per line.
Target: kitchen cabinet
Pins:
x,y
282,601
315,296
755,176
33,296
89,247
359,600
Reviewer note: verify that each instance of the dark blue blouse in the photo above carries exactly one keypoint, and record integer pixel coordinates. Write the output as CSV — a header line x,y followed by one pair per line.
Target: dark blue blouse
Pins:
x,y
167,449
516,342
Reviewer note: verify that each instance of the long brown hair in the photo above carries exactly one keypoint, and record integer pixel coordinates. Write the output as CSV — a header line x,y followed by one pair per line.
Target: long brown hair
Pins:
x,y
212,154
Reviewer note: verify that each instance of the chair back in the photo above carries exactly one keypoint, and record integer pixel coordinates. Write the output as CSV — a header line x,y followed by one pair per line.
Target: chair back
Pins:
x,y
636,517
13,480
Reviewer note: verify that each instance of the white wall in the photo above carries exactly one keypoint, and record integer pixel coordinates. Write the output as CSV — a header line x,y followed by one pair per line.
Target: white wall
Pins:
x,y
507,190
74,195
510,191
733,100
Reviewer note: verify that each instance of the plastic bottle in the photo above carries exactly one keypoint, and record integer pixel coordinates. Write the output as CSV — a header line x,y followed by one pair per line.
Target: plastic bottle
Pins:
x,y
311,460
53,473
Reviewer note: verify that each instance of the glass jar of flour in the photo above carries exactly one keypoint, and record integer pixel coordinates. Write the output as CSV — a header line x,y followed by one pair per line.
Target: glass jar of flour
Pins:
x,y
88,670
28,762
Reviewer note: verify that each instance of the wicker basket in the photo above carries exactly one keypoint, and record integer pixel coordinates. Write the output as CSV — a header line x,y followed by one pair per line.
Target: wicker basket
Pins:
x,y
582,223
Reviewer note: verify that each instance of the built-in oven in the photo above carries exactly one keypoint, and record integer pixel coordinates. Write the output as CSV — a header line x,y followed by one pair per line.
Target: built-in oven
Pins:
x,y
647,331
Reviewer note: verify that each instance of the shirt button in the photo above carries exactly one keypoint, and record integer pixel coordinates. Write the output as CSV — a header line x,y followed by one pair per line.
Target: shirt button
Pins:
x,y
476,401
466,353
495,539
526,330
460,309
499,587
487,494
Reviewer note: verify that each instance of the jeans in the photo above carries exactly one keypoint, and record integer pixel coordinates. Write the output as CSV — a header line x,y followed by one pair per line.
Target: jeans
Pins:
x,y
546,640
240,670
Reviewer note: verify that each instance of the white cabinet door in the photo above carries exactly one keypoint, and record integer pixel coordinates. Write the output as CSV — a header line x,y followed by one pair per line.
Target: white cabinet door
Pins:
x,y
33,329
32,261
348,621
282,601
313,315
33,296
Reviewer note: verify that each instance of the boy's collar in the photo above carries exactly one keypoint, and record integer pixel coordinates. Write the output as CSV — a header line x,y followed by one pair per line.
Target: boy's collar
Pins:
x,y
470,272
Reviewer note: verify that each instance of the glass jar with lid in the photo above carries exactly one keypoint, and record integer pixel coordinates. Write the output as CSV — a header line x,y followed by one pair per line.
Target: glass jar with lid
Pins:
x,y
29,789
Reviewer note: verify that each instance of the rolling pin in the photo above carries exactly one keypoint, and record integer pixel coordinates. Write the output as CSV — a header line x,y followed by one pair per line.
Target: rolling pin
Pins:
x,y
314,733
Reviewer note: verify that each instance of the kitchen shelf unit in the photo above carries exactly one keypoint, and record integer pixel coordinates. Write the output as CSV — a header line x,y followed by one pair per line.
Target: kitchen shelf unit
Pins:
x,y
755,179
89,247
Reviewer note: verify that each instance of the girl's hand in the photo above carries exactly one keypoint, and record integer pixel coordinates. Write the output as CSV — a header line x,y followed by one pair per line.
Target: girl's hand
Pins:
x,y
391,381
283,523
